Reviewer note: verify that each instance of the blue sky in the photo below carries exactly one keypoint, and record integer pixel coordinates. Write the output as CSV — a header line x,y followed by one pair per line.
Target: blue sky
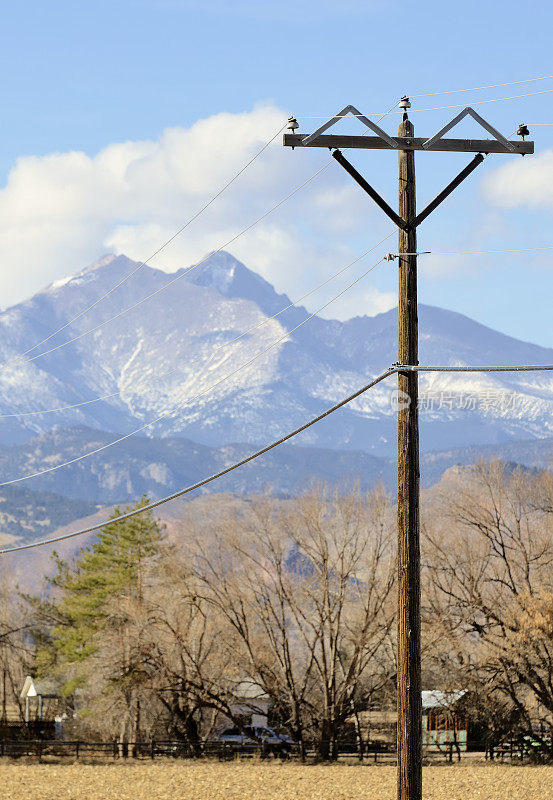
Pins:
x,y
81,78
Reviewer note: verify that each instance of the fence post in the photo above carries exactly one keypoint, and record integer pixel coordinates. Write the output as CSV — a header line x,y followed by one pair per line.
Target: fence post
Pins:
x,y
152,749
77,751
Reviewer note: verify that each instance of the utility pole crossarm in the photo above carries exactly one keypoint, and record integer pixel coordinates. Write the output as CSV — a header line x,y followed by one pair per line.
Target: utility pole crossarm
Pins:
x,y
406,143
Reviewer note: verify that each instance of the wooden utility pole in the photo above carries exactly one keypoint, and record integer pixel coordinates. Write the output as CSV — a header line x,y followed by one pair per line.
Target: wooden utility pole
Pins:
x,y
409,731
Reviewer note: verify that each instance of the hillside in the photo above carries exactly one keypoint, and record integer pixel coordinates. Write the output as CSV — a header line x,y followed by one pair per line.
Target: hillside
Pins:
x,y
27,514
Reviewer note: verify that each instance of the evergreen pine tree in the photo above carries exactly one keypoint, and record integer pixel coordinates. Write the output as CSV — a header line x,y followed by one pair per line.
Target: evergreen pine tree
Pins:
x,y
77,611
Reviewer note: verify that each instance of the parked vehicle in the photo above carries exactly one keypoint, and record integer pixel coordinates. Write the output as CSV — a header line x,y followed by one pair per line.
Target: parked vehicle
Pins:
x,y
254,738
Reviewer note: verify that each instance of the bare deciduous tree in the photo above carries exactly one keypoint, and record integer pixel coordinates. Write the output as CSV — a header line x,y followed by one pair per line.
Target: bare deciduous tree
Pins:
x,y
307,593
490,580
16,650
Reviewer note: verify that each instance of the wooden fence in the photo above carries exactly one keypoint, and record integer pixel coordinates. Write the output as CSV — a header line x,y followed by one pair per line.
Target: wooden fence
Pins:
x,y
54,749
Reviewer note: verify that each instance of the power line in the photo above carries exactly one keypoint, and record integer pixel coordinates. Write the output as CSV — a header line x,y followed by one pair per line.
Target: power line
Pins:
x,y
258,325
488,86
393,256
512,368
283,439
481,102
394,369
185,272
200,394
116,394
438,108
179,276
162,247
60,409
481,252
211,478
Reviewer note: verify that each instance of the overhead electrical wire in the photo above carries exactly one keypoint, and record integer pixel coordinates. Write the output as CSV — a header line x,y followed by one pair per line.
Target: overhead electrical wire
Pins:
x,y
231,342
253,328
484,252
162,247
394,369
182,274
481,102
174,280
283,439
104,447
488,86
397,368
512,368
100,398
211,478
434,108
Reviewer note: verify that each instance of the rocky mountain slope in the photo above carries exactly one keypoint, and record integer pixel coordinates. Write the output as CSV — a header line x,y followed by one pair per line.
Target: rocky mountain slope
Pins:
x,y
174,361
158,467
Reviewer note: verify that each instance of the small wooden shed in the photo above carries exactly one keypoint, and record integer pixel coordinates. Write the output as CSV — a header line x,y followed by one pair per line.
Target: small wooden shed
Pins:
x,y
38,691
444,720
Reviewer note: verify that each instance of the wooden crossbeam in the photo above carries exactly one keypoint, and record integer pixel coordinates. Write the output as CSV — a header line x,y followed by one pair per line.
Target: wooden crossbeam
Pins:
x,y
404,143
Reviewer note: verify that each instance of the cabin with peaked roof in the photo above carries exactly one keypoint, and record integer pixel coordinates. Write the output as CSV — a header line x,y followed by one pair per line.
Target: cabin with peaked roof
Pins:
x,y
445,722
39,691
448,723
42,706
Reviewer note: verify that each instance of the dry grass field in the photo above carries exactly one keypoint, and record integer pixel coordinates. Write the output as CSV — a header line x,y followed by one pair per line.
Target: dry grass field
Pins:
x,y
253,781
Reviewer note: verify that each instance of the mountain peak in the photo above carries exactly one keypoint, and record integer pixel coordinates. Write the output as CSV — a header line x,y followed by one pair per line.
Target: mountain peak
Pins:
x,y
118,263
103,261
218,271
231,278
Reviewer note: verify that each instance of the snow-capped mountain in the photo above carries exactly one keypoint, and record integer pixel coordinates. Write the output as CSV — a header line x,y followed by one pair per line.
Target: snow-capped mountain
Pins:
x,y
174,365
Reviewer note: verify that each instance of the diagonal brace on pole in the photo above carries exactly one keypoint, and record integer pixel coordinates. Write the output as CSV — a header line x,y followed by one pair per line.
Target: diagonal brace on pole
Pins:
x,y
361,117
401,223
447,191
407,225
468,111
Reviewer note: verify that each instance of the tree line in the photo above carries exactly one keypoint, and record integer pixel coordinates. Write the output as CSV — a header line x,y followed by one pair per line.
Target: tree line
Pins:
x,y
151,636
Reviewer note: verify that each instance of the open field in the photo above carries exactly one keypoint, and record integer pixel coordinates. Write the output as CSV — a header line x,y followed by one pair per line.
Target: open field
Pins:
x,y
274,781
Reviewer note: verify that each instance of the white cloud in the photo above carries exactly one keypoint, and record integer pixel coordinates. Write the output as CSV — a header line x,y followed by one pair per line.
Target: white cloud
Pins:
x,y
367,300
523,182
61,211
